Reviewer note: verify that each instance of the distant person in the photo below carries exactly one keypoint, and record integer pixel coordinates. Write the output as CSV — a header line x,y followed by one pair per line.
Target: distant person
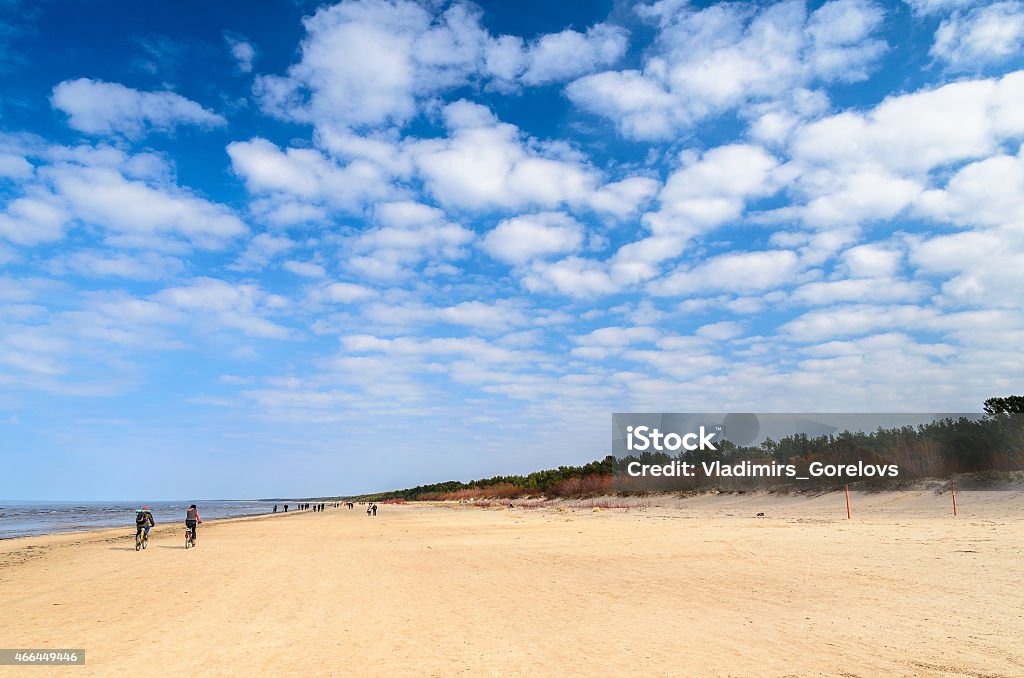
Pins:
x,y
374,507
286,508
368,511
191,520
143,521
275,508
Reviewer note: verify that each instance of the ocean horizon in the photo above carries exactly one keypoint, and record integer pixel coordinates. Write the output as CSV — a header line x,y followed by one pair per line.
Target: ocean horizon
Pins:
x,y
25,518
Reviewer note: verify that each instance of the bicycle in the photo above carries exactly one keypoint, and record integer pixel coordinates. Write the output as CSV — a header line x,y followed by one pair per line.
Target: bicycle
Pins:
x,y
141,540
190,539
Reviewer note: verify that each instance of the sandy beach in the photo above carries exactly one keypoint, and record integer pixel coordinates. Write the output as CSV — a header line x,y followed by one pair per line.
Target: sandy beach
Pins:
x,y
694,587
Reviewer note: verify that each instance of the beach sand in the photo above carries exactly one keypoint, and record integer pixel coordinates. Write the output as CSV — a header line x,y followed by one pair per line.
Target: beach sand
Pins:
x,y
697,587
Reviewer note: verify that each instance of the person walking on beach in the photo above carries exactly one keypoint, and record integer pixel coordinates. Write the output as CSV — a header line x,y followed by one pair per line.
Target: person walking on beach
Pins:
x,y
191,520
143,521
275,508
374,508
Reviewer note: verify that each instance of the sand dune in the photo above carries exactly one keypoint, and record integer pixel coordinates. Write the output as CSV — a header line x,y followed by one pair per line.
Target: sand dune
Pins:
x,y
696,587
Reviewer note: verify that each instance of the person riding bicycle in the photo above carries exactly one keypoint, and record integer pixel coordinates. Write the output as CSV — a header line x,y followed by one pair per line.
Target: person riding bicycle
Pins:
x,y
192,519
143,521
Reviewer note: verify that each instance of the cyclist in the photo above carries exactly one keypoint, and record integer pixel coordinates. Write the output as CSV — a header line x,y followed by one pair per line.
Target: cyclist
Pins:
x,y
143,521
191,520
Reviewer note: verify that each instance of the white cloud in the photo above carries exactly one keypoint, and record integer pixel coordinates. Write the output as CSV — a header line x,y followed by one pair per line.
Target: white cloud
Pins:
x,y
306,269
302,174
608,341
107,108
574,276
133,266
13,166
242,51
721,57
929,7
912,133
484,164
735,272
704,193
498,314
857,319
877,290
983,193
471,348
520,239
128,200
985,268
867,261
560,56
407,234
342,293
369,63
712,189
216,304
261,250
854,167
134,209
622,198
720,331
36,218
985,35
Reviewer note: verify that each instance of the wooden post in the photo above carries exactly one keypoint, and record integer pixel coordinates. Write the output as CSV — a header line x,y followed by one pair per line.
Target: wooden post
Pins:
x,y
848,502
954,500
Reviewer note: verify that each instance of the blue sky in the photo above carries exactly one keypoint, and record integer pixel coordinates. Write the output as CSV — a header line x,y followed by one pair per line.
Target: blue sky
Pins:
x,y
302,249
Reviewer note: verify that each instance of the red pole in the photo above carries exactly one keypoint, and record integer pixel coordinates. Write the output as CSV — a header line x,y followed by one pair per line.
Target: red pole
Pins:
x,y
954,500
848,502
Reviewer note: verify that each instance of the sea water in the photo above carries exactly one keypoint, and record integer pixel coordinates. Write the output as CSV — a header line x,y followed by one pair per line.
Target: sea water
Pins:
x,y
23,518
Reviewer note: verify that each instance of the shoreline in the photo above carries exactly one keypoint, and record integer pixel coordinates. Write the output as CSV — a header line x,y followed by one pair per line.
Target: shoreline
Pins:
x,y
868,501
111,533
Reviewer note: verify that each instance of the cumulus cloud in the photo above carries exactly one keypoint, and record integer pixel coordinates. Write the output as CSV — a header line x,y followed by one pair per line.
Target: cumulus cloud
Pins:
x,y
716,59
704,193
485,164
405,235
735,272
556,57
217,304
853,167
242,51
113,264
261,250
368,63
523,238
108,108
983,36
608,341
308,175
129,199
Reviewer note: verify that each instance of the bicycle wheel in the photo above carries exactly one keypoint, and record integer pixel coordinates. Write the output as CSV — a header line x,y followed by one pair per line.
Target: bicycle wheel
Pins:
x,y
138,542
145,541
188,539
